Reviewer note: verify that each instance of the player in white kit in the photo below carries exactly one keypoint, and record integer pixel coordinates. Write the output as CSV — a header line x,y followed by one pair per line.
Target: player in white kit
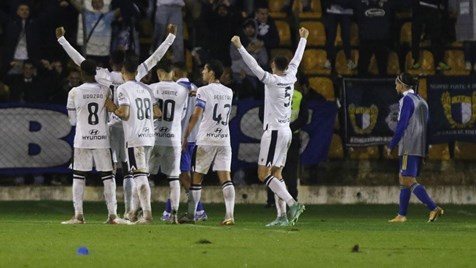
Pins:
x,y
137,110
277,134
113,79
165,155
86,111
212,111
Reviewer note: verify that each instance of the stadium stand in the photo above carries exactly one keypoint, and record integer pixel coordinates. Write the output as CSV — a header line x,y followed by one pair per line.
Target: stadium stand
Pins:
x,y
313,62
427,63
323,86
284,32
317,33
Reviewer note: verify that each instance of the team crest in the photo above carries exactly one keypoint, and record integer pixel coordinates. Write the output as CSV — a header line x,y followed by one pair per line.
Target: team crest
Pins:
x,y
363,119
460,111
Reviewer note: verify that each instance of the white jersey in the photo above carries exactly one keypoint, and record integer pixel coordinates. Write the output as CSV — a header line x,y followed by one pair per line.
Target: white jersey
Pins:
x,y
87,101
139,127
215,99
190,105
278,89
172,99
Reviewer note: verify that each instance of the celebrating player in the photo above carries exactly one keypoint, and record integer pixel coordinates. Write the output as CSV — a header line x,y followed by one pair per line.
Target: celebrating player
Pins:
x,y
137,109
213,106
168,133
277,134
91,142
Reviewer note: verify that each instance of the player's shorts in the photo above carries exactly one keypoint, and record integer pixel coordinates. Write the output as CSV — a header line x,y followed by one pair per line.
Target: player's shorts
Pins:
x,y
118,145
167,159
85,159
138,159
186,158
274,147
206,155
410,165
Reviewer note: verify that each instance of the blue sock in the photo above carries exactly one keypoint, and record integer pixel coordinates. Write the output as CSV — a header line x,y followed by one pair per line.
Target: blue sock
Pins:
x,y
199,206
405,195
168,207
421,193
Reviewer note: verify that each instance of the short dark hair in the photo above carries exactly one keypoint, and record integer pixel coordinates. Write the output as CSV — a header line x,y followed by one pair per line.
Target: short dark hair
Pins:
x,y
216,66
117,57
88,67
406,79
131,62
165,65
281,62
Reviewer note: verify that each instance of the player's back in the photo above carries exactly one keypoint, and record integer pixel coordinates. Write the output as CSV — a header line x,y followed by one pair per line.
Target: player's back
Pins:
x,y
277,102
91,115
215,99
139,127
172,99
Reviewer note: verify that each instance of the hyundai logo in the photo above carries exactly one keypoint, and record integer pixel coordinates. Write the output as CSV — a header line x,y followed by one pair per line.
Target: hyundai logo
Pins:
x,y
94,132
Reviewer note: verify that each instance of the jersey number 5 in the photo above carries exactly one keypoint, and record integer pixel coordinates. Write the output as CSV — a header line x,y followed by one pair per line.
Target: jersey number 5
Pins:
x,y
287,96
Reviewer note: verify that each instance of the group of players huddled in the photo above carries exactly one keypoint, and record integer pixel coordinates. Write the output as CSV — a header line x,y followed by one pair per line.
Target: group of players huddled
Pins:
x,y
173,127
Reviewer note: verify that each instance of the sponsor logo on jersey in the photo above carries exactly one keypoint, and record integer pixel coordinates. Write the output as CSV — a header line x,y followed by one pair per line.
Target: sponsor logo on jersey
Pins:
x,y
94,132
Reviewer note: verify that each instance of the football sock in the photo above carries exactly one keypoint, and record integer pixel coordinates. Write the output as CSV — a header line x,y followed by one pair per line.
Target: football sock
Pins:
x,y
195,193
135,202
279,189
174,185
421,193
110,193
200,207
79,181
405,195
168,207
127,187
143,190
281,203
229,196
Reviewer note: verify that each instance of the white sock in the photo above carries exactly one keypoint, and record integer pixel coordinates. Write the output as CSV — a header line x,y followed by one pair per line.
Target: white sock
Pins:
x,y
279,189
110,193
174,193
229,196
79,182
135,202
280,202
194,196
127,184
143,190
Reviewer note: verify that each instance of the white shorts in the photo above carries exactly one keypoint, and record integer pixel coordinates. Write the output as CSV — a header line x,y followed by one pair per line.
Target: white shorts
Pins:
x,y
138,159
118,145
86,159
167,159
205,155
274,147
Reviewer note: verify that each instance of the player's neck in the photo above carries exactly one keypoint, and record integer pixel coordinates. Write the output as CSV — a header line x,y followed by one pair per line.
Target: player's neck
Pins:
x,y
213,80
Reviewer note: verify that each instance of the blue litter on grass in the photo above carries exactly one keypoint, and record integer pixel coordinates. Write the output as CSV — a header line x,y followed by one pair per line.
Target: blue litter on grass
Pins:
x,y
82,251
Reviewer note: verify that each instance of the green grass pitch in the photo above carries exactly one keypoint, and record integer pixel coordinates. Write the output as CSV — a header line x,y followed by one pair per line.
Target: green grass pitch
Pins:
x,y
325,236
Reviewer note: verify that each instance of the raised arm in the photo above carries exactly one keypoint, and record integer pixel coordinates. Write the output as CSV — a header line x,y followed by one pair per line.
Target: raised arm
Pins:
x,y
150,62
248,59
296,60
72,53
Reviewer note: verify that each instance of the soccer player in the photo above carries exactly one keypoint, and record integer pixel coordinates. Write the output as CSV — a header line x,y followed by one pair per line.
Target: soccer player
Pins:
x,y
86,111
180,76
165,155
113,79
410,136
137,110
212,109
277,133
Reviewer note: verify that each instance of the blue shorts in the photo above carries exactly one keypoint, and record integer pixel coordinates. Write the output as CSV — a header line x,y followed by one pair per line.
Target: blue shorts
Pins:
x,y
186,158
410,165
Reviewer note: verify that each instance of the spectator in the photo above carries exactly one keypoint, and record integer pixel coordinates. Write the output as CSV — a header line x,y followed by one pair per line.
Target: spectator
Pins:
x,y
73,80
22,38
28,86
266,27
336,13
96,38
169,12
466,29
374,18
429,14
247,83
125,34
